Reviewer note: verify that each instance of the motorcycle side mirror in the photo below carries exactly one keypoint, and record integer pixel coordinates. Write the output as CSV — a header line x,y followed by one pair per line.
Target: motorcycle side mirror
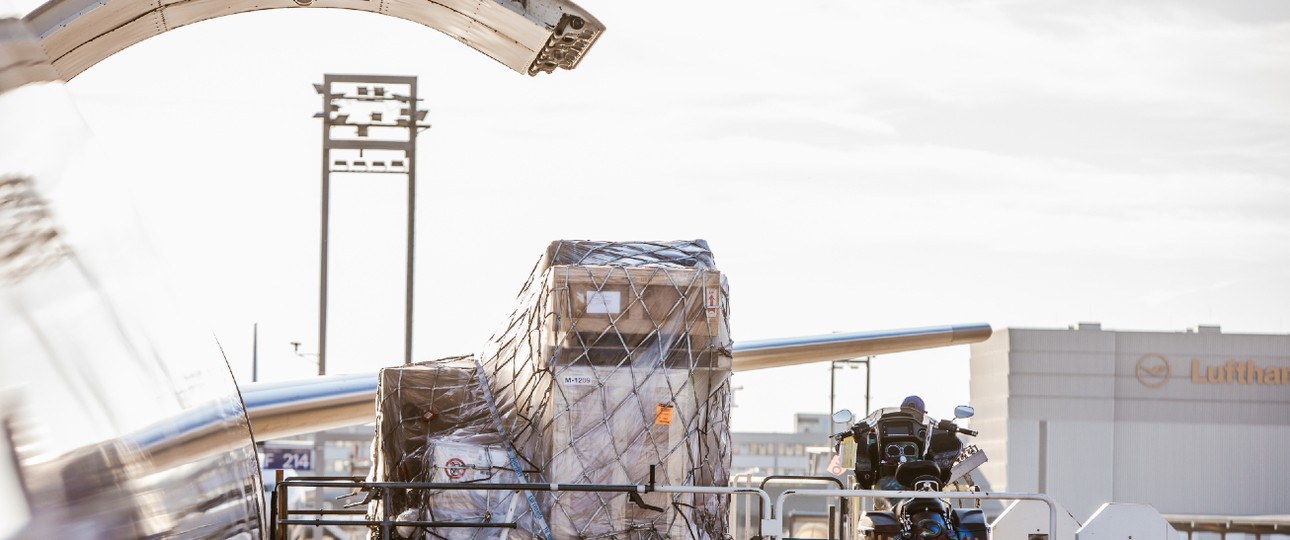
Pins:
x,y
843,416
964,411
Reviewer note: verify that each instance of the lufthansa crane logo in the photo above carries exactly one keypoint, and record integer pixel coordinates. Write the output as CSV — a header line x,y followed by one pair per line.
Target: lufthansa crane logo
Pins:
x,y
1152,370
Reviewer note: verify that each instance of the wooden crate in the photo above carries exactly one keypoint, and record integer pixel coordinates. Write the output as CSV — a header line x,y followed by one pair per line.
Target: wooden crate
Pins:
x,y
608,315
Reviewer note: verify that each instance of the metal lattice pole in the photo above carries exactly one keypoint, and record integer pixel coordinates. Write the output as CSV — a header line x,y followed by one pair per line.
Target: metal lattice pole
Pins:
x,y
340,95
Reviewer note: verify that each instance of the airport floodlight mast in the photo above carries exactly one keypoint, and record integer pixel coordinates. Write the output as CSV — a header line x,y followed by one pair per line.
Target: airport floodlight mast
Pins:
x,y
370,125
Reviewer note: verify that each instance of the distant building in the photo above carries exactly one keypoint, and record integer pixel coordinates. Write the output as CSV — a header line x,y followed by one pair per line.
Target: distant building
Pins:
x,y
1192,423
781,453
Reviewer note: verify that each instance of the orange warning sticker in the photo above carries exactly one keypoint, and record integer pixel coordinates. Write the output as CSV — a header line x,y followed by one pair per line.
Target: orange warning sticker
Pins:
x,y
663,415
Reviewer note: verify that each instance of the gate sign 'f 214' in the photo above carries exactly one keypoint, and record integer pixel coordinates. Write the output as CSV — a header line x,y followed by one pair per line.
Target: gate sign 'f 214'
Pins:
x,y
289,457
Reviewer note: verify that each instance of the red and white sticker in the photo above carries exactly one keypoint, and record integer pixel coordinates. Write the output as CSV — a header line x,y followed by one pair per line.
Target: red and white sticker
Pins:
x,y
835,468
455,468
712,301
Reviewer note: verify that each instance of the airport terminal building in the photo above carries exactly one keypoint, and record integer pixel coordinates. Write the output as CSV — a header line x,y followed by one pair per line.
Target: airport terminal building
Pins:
x,y
1194,423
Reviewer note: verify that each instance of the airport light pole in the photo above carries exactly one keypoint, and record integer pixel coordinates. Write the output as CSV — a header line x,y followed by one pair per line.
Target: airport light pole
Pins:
x,y
370,125
853,363
383,112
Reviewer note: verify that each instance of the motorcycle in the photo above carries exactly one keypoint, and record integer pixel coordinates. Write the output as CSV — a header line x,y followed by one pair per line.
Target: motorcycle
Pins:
x,y
904,449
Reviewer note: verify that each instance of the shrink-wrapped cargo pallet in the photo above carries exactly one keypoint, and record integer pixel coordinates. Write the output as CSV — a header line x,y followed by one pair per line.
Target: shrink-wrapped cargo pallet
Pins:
x,y
616,358
433,425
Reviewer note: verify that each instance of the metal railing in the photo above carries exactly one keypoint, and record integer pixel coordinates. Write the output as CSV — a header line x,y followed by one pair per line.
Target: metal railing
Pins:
x,y
836,520
768,527
281,517
744,479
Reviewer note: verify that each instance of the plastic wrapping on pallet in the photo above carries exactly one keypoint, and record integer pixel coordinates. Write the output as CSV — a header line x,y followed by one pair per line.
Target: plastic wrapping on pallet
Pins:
x,y
618,358
693,254
470,463
433,426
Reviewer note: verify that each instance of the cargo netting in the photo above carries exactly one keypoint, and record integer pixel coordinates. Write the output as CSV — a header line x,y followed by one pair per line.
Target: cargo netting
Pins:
x,y
616,359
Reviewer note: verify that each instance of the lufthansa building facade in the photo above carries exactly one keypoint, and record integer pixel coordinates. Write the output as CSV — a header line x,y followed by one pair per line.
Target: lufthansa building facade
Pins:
x,y
1194,423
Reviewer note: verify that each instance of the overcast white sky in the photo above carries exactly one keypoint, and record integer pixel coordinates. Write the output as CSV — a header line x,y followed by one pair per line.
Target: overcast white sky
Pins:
x,y
854,164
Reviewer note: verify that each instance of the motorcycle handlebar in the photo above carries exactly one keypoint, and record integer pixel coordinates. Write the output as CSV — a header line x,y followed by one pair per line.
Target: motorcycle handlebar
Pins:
x,y
950,426
944,424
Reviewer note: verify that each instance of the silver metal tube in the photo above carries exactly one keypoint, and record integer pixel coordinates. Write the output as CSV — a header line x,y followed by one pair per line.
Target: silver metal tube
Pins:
x,y
1052,505
770,353
285,409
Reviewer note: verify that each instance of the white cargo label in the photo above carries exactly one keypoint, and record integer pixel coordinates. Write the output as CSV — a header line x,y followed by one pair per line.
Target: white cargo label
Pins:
x,y
603,301
577,380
